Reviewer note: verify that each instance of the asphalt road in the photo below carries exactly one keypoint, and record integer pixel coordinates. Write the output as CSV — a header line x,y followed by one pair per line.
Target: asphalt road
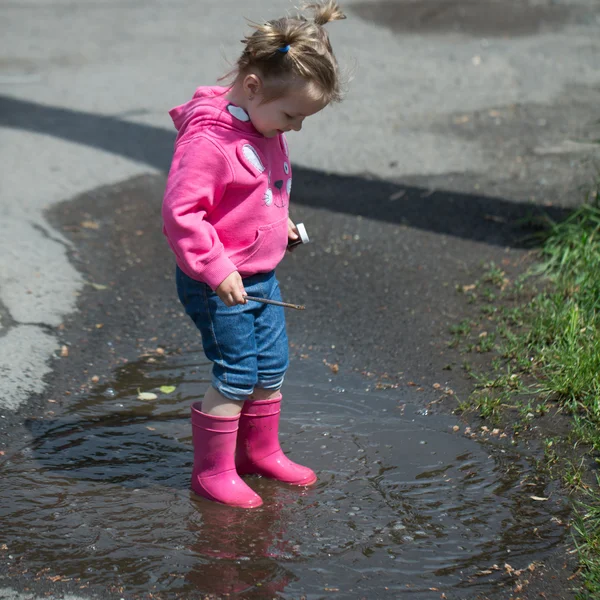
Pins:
x,y
460,119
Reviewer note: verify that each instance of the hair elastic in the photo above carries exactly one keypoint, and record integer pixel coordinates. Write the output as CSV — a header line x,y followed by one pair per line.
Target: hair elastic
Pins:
x,y
284,50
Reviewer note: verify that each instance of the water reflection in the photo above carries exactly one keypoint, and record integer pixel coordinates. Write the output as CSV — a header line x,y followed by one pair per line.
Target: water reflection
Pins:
x,y
242,549
101,494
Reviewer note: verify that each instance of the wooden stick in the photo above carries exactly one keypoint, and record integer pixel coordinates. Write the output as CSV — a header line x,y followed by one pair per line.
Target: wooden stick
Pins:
x,y
276,303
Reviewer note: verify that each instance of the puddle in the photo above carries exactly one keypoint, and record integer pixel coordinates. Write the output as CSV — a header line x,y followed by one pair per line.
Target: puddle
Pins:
x,y
99,496
472,17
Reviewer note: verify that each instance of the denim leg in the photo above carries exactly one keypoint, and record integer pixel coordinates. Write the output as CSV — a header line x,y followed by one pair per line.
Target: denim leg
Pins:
x,y
230,343
271,340
227,337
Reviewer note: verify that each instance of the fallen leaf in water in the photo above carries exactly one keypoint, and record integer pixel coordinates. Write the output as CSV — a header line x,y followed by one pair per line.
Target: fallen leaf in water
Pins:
x,y
385,386
167,389
90,225
333,366
146,396
151,428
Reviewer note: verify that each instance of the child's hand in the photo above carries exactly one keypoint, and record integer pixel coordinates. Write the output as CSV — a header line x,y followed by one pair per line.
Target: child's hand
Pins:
x,y
231,290
292,234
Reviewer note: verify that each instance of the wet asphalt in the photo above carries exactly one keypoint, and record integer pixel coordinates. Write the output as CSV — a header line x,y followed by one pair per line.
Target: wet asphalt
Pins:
x,y
379,284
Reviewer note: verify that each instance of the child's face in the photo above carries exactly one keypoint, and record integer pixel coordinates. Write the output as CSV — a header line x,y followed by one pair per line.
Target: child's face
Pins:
x,y
286,113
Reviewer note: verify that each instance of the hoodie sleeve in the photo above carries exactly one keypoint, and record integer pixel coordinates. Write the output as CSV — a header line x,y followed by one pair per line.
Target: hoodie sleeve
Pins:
x,y
196,184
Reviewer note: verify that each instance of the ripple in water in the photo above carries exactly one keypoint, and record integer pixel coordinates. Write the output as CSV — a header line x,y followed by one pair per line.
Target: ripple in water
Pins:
x,y
100,496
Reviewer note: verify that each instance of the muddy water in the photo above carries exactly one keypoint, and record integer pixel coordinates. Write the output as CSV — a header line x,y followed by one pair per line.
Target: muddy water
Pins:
x,y
99,496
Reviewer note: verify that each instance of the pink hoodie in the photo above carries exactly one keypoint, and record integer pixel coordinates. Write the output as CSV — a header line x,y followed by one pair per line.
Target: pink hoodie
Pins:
x,y
226,201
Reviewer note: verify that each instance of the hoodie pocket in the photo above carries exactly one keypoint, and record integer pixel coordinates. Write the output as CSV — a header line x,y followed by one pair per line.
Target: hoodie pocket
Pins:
x,y
267,249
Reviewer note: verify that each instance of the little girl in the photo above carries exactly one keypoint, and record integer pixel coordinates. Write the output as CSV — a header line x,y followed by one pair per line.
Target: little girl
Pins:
x,y
225,215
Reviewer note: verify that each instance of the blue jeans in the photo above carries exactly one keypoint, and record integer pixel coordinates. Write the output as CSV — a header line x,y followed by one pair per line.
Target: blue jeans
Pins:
x,y
246,343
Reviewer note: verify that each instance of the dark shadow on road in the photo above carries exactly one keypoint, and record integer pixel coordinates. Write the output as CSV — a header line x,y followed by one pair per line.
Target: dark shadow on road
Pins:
x,y
495,221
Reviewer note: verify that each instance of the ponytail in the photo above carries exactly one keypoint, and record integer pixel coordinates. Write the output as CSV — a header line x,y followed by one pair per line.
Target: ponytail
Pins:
x,y
325,12
290,47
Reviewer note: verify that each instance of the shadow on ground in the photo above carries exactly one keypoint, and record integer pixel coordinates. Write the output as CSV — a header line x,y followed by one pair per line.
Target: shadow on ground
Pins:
x,y
496,221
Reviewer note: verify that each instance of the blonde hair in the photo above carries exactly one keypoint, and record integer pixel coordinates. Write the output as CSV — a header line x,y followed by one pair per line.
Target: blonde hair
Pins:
x,y
284,49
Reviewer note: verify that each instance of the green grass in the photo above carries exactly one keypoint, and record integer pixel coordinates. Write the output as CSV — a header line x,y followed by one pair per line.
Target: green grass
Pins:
x,y
587,527
547,352
565,329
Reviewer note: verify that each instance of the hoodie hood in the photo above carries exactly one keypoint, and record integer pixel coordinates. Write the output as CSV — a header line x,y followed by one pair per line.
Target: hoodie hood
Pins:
x,y
209,108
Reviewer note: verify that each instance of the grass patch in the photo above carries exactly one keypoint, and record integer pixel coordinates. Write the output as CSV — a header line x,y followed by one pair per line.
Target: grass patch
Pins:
x,y
547,353
587,526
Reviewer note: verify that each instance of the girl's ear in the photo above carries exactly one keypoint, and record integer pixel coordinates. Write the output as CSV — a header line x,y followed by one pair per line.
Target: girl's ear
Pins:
x,y
252,86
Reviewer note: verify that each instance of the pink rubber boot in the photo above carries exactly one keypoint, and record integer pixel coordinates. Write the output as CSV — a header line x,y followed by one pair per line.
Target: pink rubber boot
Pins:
x,y
214,475
258,450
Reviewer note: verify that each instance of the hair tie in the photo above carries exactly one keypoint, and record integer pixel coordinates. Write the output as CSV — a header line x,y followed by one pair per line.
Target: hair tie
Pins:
x,y
284,50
